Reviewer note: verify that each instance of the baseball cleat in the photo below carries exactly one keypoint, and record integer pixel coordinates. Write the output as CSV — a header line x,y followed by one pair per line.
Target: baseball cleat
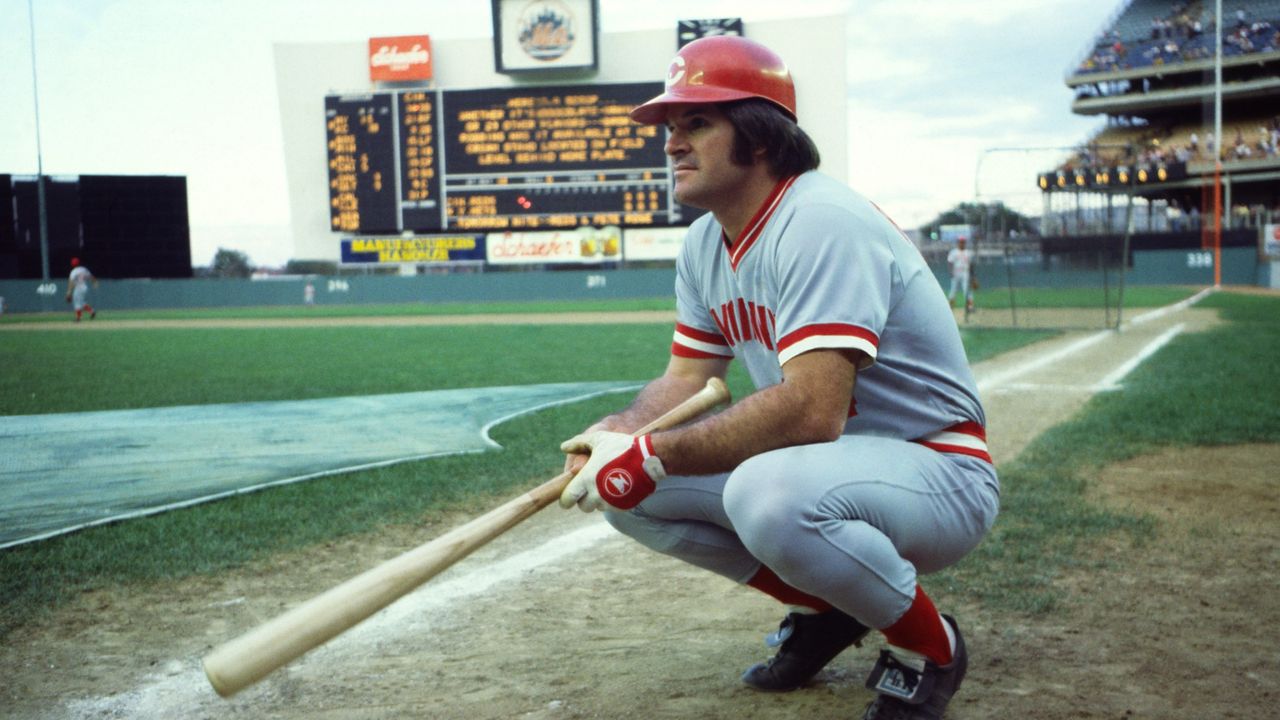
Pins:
x,y
808,643
915,690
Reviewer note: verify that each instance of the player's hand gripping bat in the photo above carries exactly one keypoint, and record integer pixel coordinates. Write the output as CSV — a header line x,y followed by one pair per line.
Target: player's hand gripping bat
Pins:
x,y
241,662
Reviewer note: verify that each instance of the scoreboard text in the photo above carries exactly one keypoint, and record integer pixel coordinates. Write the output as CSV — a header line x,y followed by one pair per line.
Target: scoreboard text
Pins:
x,y
545,158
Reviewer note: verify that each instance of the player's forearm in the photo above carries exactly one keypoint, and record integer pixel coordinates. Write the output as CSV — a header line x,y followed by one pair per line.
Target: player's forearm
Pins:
x,y
810,406
659,396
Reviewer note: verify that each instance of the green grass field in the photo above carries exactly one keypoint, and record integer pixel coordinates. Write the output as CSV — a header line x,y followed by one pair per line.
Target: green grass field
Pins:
x,y
1139,296
371,310
993,298
1193,385
130,368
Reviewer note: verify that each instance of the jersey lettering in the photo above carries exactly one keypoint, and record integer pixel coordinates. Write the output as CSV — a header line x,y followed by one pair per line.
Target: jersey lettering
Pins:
x,y
741,321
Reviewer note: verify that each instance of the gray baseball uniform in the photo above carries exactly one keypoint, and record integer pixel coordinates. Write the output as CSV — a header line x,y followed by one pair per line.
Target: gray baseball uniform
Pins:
x,y
79,280
909,488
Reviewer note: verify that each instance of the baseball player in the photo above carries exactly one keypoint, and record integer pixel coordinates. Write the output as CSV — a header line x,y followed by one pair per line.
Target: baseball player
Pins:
x,y
860,462
78,289
959,260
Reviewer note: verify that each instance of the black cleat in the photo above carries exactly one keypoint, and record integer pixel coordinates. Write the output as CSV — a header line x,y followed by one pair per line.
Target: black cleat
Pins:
x,y
910,692
808,643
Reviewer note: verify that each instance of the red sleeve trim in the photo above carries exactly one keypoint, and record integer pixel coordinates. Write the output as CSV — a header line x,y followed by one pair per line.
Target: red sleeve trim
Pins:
x,y
832,329
685,351
701,335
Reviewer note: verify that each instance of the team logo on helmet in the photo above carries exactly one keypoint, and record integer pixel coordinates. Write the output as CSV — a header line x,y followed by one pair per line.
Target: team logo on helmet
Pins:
x,y
676,72
616,483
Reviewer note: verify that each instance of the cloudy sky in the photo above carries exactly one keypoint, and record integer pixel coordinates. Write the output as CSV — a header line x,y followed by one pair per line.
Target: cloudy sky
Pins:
x,y
142,87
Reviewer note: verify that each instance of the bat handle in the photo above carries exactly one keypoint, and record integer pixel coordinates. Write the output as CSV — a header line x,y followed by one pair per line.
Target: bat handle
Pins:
x,y
714,393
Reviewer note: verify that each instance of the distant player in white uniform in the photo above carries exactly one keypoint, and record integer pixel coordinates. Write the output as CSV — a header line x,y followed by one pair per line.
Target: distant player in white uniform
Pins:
x,y
78,289
959,261
860,462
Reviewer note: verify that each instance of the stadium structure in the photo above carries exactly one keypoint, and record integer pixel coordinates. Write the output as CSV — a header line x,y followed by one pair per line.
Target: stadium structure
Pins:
x,y
412,189
1154,172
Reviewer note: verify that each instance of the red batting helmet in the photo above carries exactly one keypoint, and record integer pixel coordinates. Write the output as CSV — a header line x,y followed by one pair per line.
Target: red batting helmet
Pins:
x,y
718,69
75,262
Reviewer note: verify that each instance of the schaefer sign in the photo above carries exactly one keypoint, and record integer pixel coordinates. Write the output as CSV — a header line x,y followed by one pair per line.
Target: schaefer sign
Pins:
x,y
407,57
581,246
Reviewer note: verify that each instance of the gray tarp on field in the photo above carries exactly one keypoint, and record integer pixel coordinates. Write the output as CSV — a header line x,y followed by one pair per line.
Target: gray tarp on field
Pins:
x,y
66,471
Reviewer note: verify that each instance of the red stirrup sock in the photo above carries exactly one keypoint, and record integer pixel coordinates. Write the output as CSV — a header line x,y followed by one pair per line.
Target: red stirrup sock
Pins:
x,y
922,630
768,582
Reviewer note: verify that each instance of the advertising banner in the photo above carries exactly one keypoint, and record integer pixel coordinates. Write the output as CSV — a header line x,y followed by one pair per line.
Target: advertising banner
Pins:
x,y
584,245
1271,241
418,249
407,57
653,243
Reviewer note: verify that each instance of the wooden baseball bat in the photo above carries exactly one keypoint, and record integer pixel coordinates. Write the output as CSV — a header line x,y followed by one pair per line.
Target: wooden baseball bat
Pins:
x,y
245,660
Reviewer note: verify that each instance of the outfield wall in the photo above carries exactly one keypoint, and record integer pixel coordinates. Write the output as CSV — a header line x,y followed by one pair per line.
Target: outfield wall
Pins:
x,y
24,296
1240,266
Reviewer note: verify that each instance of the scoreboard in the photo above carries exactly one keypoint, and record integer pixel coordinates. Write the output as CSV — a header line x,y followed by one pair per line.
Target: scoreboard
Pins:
x,y
544,158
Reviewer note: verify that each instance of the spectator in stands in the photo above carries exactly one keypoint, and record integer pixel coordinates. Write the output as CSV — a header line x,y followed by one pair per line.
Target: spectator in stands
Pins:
x,y
1242,150
1174,213
1243,42
1265,35
1120,50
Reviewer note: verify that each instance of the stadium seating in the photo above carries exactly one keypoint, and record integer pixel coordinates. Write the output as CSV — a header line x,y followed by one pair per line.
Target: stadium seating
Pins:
x,y
1151,33
1117,145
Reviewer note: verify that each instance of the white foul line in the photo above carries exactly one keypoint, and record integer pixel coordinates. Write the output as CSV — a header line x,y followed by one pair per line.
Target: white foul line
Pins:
x,y
1003,378
1112,380
1161,312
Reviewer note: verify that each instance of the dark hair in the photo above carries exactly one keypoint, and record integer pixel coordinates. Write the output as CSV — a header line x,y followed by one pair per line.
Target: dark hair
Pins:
x,y
759,124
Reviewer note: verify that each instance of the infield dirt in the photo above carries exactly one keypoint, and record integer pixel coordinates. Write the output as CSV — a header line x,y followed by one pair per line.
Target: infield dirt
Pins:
x,y
1184,626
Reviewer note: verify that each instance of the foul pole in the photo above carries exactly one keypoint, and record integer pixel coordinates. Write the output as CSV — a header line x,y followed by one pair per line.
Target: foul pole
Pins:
x,y
1217,148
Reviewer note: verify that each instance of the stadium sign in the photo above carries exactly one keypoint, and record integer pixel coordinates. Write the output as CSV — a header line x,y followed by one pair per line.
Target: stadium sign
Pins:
x,y
394,59
414,249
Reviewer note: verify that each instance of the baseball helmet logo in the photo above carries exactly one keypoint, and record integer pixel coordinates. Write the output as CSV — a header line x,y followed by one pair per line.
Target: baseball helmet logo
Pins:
x,y
616,483
676,73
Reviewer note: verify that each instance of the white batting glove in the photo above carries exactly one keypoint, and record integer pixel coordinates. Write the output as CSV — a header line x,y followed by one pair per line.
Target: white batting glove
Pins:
x,y
621,471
